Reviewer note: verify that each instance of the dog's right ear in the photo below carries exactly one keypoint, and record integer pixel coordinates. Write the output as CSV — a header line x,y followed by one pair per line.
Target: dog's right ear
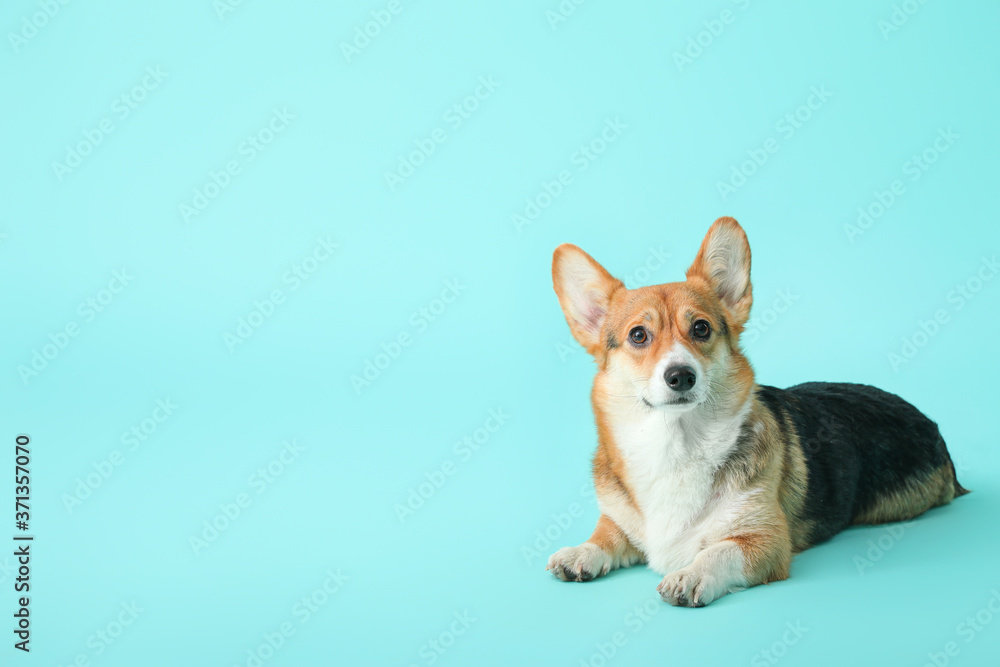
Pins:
x,y
584,289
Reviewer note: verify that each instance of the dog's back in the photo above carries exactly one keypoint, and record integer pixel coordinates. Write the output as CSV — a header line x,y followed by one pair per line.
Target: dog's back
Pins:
x,y
870,457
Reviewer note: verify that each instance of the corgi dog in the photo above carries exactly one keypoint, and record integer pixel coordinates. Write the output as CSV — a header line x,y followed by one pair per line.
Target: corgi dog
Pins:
x,y
709,478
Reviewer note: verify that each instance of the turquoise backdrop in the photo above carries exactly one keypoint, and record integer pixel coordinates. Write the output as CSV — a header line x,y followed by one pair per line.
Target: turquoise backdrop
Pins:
x,y
279,322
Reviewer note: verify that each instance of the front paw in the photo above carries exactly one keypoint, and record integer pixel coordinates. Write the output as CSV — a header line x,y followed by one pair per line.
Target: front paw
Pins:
x,y
581,563
689,588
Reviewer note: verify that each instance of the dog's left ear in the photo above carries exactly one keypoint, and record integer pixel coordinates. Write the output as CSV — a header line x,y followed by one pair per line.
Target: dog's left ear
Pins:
x,y
724,263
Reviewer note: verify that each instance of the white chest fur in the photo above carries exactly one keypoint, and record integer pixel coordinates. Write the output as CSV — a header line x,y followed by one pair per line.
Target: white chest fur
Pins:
x,y
671,462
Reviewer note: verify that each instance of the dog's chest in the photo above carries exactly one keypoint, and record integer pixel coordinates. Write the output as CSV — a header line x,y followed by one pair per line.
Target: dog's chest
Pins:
x,y
672,478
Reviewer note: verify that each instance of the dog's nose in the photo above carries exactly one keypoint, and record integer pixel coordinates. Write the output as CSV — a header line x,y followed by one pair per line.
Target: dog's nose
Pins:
x,y
680,378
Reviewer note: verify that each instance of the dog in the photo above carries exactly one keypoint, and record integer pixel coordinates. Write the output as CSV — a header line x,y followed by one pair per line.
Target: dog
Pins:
x,y
711,479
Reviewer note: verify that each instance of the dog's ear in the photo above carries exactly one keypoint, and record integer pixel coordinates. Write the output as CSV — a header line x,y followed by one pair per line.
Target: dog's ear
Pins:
x,y
724,263
584,289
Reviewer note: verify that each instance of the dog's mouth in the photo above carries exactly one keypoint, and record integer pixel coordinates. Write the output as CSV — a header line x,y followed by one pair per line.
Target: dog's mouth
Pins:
x,y
679,401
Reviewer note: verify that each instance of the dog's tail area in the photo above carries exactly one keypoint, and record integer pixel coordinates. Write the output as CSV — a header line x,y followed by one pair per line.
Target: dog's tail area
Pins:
x,y
959,489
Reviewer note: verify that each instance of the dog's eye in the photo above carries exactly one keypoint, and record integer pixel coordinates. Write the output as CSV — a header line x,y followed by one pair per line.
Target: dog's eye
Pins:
x,y
701,329
638,335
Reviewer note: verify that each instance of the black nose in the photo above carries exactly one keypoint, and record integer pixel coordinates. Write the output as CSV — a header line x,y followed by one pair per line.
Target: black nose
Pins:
x,y
679,378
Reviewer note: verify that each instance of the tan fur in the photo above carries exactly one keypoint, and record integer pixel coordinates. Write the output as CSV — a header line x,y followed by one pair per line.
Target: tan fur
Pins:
x,y
609,537
938,488
793,477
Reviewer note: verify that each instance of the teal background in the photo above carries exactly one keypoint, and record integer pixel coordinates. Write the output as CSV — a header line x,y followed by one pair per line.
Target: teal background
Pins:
x,y
502,342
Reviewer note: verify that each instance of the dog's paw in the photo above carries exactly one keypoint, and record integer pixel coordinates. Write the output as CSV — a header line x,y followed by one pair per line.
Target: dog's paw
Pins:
x,y
581,563
689,588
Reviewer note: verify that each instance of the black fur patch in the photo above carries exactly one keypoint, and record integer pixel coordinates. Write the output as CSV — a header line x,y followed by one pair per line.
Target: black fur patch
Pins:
x,y
859,443
612,342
